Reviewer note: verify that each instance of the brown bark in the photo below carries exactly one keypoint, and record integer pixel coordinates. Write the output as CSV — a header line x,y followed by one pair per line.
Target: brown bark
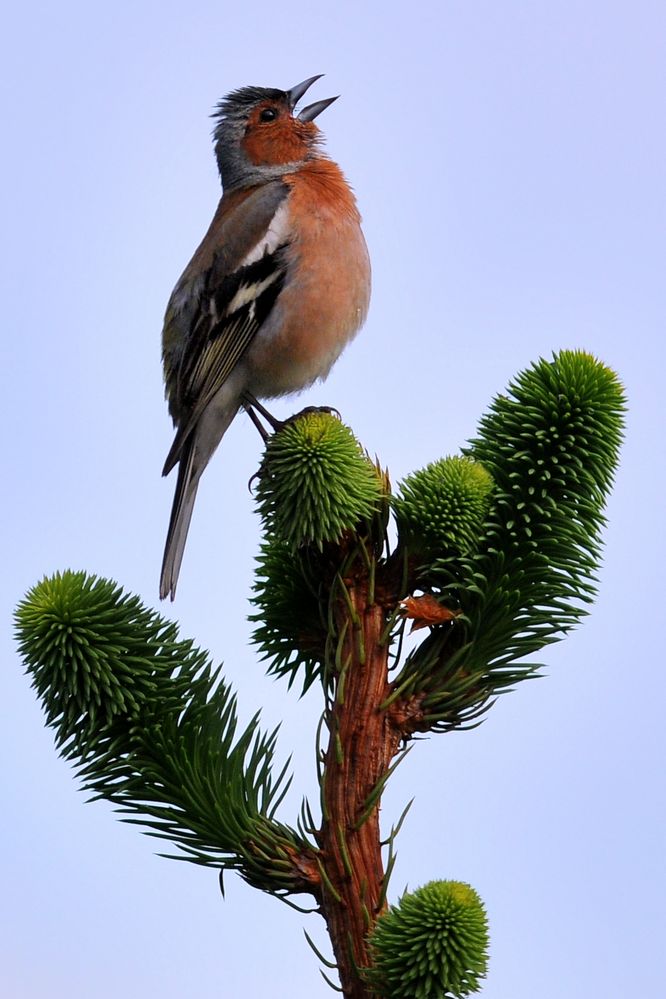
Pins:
x,y
363,741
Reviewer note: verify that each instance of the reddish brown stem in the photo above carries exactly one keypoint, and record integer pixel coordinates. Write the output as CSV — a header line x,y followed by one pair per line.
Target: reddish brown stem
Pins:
x,y
363,741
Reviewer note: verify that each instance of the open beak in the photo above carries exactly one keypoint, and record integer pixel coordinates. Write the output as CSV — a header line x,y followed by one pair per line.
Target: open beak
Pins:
x,y
294,95
310,112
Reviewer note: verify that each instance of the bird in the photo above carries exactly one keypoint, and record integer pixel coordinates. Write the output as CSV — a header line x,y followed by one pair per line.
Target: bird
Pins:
x,y
276,289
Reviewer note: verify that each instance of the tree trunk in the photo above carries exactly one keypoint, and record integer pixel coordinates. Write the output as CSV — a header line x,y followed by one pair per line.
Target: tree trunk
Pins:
x,y
363,741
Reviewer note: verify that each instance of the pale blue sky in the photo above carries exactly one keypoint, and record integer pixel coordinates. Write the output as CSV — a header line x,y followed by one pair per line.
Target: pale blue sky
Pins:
x,y
509,160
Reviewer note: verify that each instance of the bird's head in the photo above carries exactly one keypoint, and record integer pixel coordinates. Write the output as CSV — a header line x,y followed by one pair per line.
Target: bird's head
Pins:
x,y
258,136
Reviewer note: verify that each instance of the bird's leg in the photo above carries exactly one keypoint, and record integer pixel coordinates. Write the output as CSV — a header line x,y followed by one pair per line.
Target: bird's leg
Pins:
x,y
250,404
257,422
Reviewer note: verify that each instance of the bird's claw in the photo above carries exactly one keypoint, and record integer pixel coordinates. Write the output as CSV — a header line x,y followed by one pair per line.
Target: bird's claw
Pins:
x,y
250,481
250,404
313,409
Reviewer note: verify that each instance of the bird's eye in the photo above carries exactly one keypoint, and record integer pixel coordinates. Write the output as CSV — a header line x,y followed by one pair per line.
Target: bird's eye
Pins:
x,y
268,114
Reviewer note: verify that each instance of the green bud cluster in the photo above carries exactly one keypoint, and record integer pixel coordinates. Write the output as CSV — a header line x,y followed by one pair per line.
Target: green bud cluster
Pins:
x,y
432,944
316,483
441,509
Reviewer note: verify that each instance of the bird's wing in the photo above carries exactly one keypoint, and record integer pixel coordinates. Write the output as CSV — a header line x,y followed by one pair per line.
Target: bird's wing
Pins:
x,y
221,301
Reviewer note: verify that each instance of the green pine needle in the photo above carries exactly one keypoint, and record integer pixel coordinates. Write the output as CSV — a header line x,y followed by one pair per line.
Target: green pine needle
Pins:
x,y
431,945
289,628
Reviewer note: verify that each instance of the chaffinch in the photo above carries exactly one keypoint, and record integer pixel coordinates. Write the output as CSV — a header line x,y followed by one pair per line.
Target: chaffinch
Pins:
x,y
277,288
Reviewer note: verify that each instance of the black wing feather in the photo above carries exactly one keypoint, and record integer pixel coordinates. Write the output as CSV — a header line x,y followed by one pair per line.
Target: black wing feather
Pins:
x,y
227,319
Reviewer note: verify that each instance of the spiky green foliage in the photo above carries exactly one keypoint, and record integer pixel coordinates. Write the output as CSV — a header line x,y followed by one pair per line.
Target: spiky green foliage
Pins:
x,y
153,730
551,445
97,658
433,944
441,509
315,482
290,621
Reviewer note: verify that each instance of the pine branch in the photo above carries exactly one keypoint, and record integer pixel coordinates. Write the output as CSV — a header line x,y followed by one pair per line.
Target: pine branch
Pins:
x,y
152,728
551,445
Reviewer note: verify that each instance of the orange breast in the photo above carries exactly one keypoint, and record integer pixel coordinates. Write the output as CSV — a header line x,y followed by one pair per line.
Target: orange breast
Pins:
x,y
325,299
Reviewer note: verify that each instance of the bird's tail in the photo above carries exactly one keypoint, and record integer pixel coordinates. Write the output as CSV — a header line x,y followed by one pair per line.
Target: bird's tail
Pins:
x,y
181,514
192,453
